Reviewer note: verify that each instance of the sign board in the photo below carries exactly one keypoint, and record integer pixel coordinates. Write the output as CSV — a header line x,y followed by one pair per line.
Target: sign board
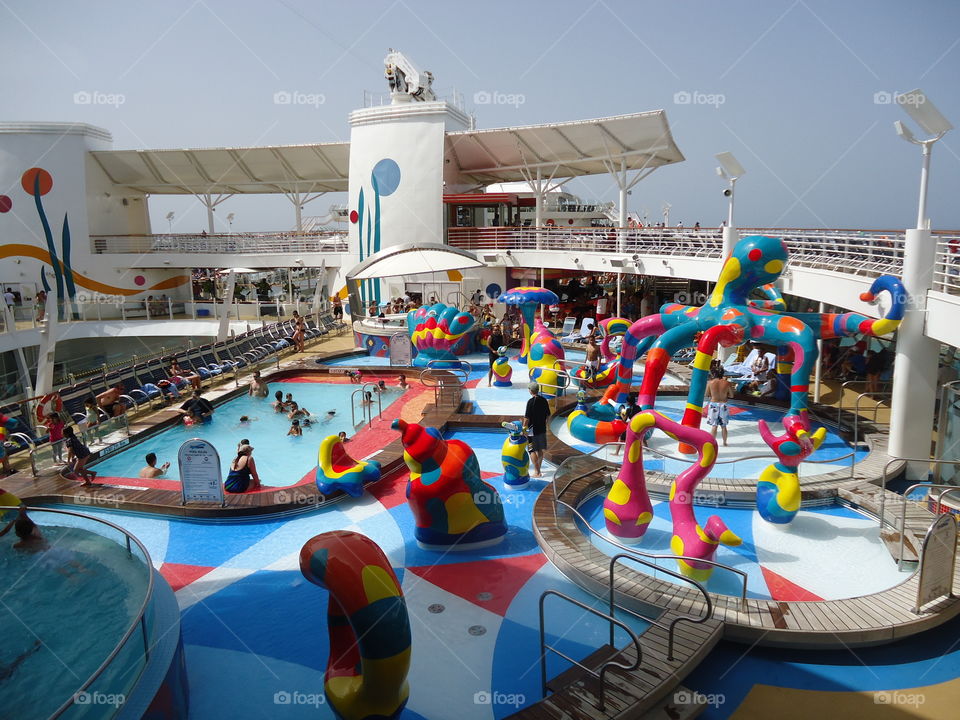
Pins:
x,y
200,478
401,350
937,558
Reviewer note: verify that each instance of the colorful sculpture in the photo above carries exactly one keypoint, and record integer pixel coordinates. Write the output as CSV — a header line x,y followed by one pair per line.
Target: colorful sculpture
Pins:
x,y
440,333
453,508
516,459
627,509
336,470
527,299
778,488
730,318
502,372
596,423
367,625
543,360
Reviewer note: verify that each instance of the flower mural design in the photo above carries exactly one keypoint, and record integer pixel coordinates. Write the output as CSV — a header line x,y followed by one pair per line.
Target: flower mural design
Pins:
x,y
384,179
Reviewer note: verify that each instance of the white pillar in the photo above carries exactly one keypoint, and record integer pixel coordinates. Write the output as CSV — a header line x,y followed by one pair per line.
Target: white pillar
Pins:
x,y
924,176
622,220
318,290
538,189
224,329
619,276
915,369
208,201
47,349
730,238
818,368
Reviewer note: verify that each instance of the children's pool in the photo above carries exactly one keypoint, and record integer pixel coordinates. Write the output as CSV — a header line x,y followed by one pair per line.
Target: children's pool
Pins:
x,y
826,553
63,609
281,459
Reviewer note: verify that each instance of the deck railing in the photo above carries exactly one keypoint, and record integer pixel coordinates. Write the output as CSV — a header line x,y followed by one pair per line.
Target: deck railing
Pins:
x,y
235,243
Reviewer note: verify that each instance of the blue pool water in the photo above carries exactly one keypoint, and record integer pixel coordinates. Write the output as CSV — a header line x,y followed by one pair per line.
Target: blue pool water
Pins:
x,y
63,610
744,440
281,459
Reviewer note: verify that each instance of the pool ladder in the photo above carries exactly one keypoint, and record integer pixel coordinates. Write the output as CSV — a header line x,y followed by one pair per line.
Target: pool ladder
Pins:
x,y
366,409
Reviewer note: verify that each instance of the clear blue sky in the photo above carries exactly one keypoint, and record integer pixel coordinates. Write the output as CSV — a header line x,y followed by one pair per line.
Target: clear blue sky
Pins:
x,y
797,80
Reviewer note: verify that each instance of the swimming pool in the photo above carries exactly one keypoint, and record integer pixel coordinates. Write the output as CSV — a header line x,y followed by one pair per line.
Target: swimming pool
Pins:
x,y
281,459
63,610
826,553
744,440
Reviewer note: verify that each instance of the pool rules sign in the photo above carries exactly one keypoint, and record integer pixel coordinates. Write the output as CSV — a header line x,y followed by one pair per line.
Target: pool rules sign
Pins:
x,y
937,559
200,472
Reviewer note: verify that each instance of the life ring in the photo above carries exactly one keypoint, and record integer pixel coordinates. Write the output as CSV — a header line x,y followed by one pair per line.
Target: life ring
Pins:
x,y
57,406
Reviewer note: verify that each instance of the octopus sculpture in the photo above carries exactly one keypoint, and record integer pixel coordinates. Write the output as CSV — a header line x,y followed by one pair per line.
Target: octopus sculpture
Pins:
x,y
730,317
606,374
440,333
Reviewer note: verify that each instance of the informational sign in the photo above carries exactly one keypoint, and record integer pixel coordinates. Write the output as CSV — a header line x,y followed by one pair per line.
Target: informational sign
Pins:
x,y
401,350
937,559
200,472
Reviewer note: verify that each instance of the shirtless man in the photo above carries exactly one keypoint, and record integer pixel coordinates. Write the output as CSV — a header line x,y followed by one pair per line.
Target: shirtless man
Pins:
x,y
593,359
258,388
719,390
111,402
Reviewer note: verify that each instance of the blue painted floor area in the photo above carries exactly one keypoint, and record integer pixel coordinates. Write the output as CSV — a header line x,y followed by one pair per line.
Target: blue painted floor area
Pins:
x,y
743,441
808,559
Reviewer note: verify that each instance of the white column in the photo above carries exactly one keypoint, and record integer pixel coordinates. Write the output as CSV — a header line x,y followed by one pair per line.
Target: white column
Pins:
x,y
47,349
915,369
619,276
224,329
818,368
208,201
318,290
622,221
730,238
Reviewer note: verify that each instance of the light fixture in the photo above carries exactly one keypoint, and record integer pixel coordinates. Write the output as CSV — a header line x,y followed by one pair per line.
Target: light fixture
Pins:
x,y
508,253
576,261
490,257
618,262
636,257
731,170
923,112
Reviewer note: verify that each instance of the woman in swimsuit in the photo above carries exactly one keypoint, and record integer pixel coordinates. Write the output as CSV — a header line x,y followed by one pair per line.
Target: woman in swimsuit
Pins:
x,y
242,470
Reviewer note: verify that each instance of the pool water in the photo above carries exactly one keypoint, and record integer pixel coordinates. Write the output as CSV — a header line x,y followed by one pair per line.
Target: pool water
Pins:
x,y
62,610
827,553
247,612
281,459
743,438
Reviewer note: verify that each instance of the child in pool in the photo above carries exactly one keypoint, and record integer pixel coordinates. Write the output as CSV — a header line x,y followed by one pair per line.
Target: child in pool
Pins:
x,y
296,411
295,429
330,415
343,436
278,402
24,528
245,420
402,382
288,403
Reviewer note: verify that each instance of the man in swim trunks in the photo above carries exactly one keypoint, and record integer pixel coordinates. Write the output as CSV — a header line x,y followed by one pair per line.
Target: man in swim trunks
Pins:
x,y
111,403
593,359
258,388
719,390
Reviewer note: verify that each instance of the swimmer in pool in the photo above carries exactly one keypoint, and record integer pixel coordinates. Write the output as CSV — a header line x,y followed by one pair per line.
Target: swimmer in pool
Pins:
x,y
295,429
24,528
330,415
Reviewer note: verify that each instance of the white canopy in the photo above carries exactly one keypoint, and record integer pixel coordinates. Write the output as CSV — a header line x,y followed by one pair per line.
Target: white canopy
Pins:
x,y
323,167
411,259
586,147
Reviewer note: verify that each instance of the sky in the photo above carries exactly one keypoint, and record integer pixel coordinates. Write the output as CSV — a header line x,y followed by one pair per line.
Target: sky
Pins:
x,y
798,90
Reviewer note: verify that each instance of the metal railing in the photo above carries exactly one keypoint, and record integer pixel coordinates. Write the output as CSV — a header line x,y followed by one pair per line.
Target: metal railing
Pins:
x,y
234,243
905,496
366,408
139,619
446,382
603,668
875,408
847,383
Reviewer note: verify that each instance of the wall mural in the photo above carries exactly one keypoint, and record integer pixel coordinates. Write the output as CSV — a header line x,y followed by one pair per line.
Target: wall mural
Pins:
x,y
37,182
385,179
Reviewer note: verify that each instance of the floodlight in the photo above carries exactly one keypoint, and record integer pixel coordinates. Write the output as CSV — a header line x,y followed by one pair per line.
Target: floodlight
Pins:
x,y
730,164
923,112
722,174
170,215
903,131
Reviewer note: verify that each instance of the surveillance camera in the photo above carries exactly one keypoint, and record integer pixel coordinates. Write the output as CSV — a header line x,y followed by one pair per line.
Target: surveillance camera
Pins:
x,y
727,192
576,260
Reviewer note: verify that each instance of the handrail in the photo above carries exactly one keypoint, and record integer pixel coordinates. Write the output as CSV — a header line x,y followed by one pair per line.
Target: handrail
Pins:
x,y
661,556
847,383
940,497
366,408
681,618
856,410
603,669
140,618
